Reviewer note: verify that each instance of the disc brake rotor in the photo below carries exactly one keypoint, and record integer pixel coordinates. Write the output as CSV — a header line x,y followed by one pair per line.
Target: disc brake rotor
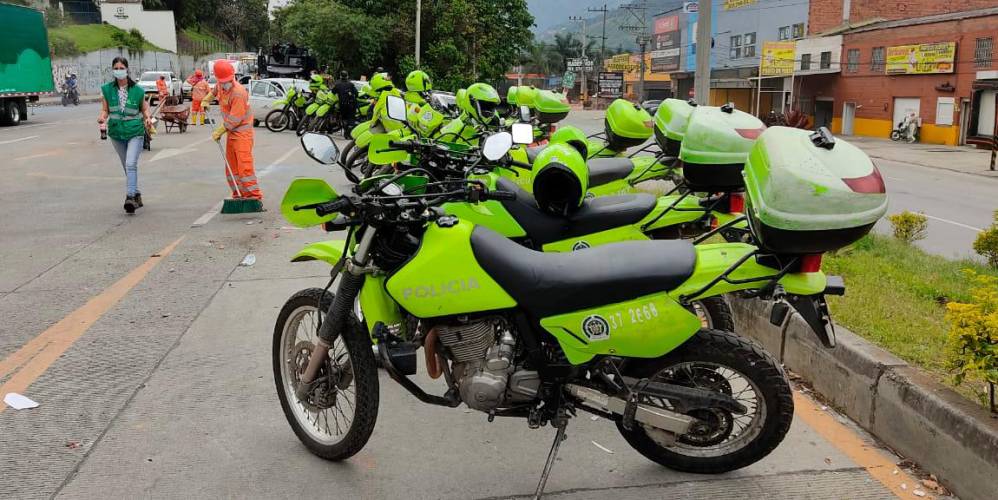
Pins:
x,y
322,395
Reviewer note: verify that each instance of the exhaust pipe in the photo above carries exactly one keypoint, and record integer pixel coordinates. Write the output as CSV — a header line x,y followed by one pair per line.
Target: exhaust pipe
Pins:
x,y
660,418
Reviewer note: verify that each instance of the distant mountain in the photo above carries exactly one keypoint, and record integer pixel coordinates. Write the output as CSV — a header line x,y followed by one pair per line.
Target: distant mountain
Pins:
x,y
615,18
551,13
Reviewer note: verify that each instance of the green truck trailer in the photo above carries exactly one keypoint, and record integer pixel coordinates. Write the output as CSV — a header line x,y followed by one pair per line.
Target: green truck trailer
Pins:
x,y
25,62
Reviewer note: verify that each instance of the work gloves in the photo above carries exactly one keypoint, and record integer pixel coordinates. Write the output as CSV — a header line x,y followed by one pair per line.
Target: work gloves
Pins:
x,y
217,134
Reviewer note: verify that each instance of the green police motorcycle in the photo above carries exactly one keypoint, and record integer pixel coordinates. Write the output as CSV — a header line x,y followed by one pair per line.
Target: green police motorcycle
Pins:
x,y
287,111
539,336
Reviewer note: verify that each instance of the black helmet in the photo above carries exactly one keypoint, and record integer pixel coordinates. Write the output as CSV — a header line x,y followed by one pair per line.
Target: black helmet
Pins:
x,y
344,75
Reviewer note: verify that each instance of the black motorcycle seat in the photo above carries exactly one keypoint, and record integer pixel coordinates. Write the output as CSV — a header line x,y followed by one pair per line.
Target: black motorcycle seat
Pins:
x,y
595,215
606,170
547,284
533,152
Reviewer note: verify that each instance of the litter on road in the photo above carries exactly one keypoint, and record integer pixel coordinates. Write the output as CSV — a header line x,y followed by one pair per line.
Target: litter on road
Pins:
x,y
604,448
248,260
19,402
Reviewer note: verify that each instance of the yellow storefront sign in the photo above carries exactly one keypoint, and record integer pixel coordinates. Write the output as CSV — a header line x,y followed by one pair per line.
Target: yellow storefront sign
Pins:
x,y
921,59
777,59
737,4
622,63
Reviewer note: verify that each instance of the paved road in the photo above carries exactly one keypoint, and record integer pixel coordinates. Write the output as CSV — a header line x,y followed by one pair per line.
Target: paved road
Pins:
x,y
958,205
148,348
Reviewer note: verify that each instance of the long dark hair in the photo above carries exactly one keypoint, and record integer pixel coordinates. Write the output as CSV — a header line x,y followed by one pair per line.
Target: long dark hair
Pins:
x,y
122,60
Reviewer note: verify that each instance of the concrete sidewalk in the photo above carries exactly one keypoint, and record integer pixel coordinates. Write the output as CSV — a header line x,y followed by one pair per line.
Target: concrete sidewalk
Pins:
x,y
966,159
56,100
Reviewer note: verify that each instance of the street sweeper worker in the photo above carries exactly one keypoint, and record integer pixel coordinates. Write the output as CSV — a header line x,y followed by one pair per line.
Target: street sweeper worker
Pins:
x,y
237,124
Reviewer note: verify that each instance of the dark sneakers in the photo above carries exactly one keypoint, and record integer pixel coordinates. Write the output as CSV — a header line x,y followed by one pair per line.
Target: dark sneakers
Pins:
x,y
131,205
138,199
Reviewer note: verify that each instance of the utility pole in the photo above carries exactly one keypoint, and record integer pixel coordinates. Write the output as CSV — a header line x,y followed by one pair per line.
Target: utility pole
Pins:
x,y
583,90
639,13
701,79
602,47
419,8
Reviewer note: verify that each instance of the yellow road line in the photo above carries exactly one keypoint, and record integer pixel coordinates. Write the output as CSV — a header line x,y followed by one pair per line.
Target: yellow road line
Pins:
x,y
866,454
35,357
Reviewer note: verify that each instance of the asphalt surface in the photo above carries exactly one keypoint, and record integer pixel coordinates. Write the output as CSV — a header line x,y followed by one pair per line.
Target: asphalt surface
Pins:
x,y
148,346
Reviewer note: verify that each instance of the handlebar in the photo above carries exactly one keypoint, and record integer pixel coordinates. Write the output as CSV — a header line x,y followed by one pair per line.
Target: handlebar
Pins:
x,y
332,207
500,195
521,164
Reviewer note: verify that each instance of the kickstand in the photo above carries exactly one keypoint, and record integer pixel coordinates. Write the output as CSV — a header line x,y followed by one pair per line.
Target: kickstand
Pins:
x,y
558,438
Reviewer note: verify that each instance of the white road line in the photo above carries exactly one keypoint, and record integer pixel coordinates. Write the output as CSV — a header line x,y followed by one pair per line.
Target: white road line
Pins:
x,y
22,127
207,215
269,168
940,219
19,140
39,155
210,214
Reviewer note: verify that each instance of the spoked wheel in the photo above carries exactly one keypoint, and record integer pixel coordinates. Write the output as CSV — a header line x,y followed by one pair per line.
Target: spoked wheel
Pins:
x,y
304,124
719,440
277,120
345,154
336,416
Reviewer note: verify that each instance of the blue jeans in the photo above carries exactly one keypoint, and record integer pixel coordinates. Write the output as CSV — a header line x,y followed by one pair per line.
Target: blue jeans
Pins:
x,y
129,151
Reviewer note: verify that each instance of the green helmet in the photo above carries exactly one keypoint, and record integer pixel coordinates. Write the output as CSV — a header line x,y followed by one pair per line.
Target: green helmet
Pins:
x,y
380,82
316,83
561,179
481,102
367,90
511,95
573,137
418,81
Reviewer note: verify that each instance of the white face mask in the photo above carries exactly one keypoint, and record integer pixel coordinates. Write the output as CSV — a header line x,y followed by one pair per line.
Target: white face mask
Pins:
x,y
120,74
226,85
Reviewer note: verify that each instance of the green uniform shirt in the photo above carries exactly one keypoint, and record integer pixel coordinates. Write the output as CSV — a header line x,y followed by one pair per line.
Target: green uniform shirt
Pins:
x,y
124,123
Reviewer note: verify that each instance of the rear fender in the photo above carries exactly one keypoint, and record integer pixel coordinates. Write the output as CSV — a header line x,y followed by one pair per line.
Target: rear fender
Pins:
x,y
682,211
311,109
323,109
330,251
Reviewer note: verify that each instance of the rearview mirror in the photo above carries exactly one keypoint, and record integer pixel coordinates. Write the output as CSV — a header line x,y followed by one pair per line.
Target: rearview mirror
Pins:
x,y
497,145
320,147
523,133
524,114
396,108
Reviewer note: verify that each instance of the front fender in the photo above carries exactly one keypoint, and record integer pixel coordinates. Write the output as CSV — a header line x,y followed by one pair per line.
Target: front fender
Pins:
x,y
328,251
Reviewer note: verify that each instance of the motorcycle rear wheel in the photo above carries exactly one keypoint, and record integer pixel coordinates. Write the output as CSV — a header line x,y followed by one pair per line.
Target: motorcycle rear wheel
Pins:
x,y
719,441
349,380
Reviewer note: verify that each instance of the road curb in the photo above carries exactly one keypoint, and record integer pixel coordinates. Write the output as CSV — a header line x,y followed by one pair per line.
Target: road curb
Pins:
x,y
919,418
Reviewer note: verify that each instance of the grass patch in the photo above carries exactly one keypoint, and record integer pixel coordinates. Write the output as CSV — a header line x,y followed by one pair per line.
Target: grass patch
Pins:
x,y
896,297
91,37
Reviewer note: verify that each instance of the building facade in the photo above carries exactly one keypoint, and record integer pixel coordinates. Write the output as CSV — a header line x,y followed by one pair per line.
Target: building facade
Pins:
x,y
939,68
157,26
825,15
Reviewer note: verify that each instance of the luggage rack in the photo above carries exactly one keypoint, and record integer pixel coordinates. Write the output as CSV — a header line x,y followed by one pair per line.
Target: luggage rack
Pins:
x,y
706,209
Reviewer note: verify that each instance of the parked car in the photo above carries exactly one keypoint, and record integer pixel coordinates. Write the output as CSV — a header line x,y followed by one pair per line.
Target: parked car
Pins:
x,y
264,92
148,83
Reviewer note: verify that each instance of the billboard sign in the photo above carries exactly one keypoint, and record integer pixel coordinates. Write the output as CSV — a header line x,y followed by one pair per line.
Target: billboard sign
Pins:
x,y
579,64
665,52
921,59
666,24
737,4
621,63
777,59
611,84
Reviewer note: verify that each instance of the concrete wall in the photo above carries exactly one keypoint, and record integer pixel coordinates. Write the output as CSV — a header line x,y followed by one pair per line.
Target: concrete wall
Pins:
x,y
93,69
156,26
815,46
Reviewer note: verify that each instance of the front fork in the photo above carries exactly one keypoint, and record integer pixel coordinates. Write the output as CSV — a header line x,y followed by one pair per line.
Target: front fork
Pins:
x,y
351,280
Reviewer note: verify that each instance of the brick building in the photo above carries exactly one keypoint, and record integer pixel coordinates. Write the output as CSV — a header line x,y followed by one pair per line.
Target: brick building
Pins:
x,y
938,67
824,15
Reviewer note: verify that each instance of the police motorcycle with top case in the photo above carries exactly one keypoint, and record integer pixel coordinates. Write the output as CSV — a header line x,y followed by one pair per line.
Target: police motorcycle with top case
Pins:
x,y
518,333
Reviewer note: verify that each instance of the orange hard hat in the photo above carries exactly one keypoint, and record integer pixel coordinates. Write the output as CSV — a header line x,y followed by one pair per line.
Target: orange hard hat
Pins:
x,y
223,71
198,72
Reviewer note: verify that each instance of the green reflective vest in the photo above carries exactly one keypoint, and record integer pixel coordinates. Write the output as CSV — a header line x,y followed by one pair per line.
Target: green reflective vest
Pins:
x,y
123,125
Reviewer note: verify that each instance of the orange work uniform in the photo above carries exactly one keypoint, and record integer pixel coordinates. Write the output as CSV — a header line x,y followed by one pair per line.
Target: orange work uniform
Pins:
x,y
238,120
161,88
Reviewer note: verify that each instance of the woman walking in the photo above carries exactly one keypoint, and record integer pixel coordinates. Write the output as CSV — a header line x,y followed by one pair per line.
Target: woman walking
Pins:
x,y
125,117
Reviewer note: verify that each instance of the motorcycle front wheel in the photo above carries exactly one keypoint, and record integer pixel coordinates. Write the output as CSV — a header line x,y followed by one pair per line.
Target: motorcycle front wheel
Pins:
x,y
277,120
719,441
65,100
304,124
337,416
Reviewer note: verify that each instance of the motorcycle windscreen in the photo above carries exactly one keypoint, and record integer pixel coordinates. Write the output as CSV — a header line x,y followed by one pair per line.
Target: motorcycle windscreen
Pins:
x,y
443,278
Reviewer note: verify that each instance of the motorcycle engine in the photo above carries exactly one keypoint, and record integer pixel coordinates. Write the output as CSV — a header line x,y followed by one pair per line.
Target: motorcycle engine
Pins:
x,y
483,353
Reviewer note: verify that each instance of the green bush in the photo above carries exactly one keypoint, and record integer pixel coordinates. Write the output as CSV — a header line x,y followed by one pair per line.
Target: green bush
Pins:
x,y
972,343
909,226
986,243
54,17
62,46
132,39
